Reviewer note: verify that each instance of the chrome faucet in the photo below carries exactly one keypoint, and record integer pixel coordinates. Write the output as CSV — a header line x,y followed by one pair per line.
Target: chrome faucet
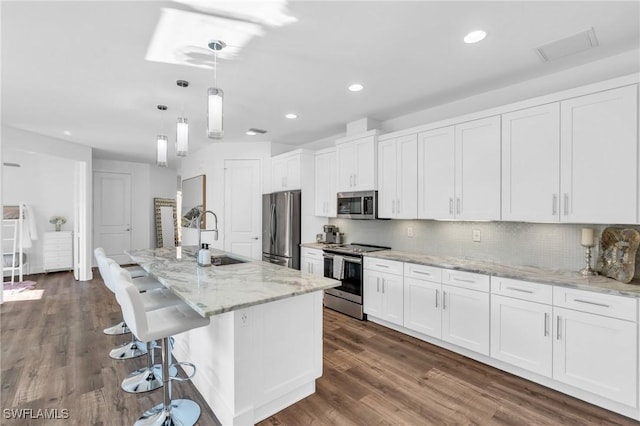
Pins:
x,y
214,230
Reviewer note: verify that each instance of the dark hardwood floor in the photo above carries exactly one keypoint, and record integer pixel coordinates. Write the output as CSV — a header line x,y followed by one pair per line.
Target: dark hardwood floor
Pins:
x,y
55,356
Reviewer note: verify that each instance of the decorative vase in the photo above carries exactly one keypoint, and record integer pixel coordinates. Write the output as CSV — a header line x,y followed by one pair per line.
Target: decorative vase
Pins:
x,y
58,226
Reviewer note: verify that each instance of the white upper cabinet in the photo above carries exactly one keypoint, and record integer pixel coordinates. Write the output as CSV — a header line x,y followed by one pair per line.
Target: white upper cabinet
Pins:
x,y
285,172
325,182
398,178
599,157
531,164
436,177
357,164
459,171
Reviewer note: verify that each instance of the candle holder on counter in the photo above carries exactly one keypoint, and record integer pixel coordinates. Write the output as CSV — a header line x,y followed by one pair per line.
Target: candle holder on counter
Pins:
x,y
587,242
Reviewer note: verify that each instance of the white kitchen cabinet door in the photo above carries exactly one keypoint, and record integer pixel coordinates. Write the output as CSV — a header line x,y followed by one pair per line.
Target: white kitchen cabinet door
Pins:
x,y
285,172
478,169
387,178
531,164
599,152
521,334
407,177
325,184
357,165
372,296
422,307
346,159
436,173
392,298
365,164
597,354
465,318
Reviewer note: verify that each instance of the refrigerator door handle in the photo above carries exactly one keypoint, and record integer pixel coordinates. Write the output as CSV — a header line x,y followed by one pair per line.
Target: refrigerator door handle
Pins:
x,y
272,224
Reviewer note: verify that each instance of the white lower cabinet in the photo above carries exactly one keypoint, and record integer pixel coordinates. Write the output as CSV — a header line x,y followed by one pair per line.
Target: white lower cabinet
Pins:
x,y
384,291
597,354
311,261
465,318
422,306
521,333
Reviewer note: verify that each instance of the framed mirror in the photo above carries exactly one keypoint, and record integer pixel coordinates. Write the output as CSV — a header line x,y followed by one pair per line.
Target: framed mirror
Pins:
x,y
193,201
166,222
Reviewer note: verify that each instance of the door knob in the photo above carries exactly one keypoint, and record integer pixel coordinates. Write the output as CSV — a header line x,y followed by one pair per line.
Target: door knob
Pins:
x,y
254,238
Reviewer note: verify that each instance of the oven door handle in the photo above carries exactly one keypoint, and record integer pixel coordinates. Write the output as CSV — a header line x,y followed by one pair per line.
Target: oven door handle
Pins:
x,y
356,260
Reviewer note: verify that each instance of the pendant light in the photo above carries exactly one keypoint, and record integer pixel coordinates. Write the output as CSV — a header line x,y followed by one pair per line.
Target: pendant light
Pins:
x,y
215,97
161,145
182,128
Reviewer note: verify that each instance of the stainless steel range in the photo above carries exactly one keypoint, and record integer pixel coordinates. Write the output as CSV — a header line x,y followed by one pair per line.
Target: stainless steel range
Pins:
x,y
344,263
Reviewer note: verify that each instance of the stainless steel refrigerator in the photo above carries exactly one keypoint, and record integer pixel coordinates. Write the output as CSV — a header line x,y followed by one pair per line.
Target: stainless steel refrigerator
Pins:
x,y
281,228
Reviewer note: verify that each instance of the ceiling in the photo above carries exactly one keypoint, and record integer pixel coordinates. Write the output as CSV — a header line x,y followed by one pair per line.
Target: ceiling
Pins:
x,y
80,66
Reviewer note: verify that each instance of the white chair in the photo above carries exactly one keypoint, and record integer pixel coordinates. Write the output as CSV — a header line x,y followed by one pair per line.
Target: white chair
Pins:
x,y
160,324
147,378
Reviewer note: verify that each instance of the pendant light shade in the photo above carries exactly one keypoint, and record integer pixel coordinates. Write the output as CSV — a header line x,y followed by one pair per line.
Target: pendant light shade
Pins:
x,y
182,128
214,124
161,152
182,137
215,96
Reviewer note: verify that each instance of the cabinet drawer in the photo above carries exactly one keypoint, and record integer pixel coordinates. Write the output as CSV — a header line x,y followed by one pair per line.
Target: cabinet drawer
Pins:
x,y
310,253
596,303
383,265
422,272
524,290
469,280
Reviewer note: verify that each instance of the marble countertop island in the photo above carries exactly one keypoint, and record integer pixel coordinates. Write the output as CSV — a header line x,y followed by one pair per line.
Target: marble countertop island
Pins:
x,y
213,290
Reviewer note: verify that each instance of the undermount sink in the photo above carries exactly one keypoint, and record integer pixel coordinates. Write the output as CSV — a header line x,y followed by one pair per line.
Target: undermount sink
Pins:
x,y
225,260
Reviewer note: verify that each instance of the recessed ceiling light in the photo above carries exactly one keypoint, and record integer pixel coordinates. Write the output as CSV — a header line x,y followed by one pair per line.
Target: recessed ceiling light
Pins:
x,y
66,133
251,133
291,116
475,36
356,87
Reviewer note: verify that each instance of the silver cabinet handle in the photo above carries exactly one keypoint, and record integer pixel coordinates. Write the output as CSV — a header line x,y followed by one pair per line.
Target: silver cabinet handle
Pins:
x,y
444,300
437,294
546,324
398,206
382,266
559,324
377,284
554,204
566,204
520,290
458,205
383,286
462,280
604,305
422,273
450,205
355,180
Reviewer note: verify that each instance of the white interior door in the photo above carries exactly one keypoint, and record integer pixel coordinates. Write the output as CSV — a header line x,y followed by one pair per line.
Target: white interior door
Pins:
x,y
112,214
243,210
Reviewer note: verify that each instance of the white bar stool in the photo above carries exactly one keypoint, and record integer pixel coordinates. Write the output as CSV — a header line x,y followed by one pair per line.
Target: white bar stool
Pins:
x,y
121,327
160,324
147,378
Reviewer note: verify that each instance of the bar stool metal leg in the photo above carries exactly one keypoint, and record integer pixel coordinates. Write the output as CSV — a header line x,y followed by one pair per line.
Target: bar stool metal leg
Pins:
x,y
177,412
132,349
117,329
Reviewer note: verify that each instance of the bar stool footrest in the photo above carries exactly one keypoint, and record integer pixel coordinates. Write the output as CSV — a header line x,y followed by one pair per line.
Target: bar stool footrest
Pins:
x,y
182,412
174,376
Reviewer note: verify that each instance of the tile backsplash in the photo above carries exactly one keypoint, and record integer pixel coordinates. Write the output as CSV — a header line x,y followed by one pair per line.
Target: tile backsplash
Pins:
x,y
553,246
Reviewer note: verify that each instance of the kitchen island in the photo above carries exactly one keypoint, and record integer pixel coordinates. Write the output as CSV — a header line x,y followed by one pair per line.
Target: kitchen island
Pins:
x,y
262,350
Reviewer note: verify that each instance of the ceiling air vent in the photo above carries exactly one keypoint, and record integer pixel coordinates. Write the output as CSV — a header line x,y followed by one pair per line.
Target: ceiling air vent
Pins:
x,y
576,43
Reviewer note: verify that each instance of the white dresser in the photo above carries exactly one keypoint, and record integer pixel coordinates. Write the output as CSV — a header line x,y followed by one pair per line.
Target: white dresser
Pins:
x,y
58,251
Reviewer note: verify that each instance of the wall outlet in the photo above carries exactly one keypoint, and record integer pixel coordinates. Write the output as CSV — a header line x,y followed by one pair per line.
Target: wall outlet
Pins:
x,y
477,235
410,232
244,319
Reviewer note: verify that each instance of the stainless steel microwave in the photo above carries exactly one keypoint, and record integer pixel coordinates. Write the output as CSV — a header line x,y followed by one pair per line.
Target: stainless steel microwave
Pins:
x,y
358,205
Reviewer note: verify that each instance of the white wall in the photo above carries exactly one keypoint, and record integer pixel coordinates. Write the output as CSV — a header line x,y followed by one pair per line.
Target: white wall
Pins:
x,y
210,162
60,153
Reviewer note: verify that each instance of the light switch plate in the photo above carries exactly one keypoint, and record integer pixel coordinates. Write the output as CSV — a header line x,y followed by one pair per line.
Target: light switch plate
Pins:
x,y
477,235
409,232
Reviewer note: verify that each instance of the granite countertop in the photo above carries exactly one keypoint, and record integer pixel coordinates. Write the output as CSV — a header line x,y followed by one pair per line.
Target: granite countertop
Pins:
x,y
319,246
213,290
526,273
